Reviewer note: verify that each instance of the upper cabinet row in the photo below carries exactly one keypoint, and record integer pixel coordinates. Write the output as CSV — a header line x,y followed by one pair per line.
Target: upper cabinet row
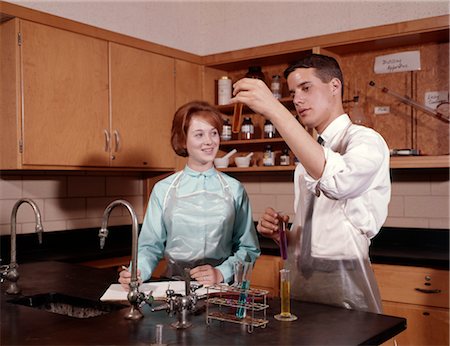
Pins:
x,y
79,97
71,100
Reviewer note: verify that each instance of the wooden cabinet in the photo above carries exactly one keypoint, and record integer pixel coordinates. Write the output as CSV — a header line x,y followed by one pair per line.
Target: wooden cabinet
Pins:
x,y
142,105
72,100
56,106
421,296
404,126
266,274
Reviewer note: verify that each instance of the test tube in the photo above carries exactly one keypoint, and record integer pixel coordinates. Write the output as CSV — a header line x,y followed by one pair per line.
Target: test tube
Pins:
x,y
283,239
245,286
237,113
238,273
285,295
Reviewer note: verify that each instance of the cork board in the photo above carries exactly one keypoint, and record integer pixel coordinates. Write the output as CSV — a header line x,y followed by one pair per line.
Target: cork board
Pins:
x,y
404,126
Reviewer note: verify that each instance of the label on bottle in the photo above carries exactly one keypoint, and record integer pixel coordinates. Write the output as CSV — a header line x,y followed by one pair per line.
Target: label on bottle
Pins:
x,y
275,87
226,133
268,158
284,160
247,130
269,131
224,86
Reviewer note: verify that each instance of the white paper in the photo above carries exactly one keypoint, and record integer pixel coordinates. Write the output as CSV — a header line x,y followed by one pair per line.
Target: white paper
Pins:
x,y
398,62
117,292
433,98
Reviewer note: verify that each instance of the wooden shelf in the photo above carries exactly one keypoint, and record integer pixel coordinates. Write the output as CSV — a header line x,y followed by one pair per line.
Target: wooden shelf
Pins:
x,y
397,162
442,161
239,142
252,169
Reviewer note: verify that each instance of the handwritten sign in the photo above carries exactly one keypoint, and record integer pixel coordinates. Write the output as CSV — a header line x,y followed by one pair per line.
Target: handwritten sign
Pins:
x,y
433,98
398,62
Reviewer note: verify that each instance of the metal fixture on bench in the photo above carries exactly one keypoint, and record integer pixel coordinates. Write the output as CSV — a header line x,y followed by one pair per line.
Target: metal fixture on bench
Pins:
x,y
135,297
10,272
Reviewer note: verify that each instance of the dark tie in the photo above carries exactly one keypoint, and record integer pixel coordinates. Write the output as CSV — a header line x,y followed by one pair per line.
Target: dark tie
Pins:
x,y
320,140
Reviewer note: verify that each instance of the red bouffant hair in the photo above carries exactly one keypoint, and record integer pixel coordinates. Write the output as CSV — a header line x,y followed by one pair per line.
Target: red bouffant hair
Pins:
x,y
182,121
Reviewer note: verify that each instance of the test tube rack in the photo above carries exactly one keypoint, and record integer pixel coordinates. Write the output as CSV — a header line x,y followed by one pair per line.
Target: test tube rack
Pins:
x,y
222,301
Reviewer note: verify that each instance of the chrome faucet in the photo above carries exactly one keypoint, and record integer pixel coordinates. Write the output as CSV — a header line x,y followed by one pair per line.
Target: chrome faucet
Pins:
x,y
10,272
135,297
177,304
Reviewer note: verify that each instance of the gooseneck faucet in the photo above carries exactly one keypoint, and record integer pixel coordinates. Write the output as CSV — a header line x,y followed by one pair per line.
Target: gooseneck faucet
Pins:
x,y
10,272
134,296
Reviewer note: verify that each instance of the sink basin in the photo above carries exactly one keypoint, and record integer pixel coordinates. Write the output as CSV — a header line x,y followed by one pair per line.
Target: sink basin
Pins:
x,y
67,305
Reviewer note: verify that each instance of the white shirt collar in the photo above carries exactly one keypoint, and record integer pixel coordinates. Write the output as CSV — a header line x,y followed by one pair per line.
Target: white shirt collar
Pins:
x,y
335,128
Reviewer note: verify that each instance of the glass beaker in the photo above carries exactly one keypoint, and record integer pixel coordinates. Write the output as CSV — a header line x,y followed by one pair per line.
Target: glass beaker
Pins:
x,y
285,295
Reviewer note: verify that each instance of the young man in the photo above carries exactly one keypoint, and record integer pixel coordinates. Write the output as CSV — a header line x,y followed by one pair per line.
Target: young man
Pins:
x,y
342,186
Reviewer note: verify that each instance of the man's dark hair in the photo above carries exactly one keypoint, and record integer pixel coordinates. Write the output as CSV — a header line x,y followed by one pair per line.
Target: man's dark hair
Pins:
x,y
326,68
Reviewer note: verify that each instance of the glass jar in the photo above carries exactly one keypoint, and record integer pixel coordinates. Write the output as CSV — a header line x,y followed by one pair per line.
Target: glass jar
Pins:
x,y
247,129
226,130
275,86
224,90
269,129
284,158
269,156
255,72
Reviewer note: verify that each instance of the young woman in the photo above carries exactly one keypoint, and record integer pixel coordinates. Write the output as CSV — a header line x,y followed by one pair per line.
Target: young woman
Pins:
x,y
197,218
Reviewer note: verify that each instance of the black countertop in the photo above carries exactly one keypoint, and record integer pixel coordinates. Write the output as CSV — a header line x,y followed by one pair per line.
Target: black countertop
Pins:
x,y
317,324
400,246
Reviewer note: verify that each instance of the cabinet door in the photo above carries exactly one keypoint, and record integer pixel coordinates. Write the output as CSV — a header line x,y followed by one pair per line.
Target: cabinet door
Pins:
x,y
425,325
413,285
65,97
142,108
266,274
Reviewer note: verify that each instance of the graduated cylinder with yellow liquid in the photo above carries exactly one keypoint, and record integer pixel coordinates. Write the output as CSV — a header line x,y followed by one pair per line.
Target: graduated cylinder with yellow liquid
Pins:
x,y
285,295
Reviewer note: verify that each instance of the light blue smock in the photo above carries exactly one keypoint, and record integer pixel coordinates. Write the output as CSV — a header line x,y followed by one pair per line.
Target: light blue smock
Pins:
x,y
197,218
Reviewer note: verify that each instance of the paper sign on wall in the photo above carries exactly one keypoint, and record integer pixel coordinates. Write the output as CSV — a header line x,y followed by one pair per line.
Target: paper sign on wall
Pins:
x,y
398,62
433,98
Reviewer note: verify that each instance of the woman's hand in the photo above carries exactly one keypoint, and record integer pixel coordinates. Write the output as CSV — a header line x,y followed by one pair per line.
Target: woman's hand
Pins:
x,y
206,275
268,224
125,278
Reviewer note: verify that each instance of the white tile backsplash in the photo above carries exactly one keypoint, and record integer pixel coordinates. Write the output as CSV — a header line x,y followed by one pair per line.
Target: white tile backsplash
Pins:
x,y
440,188
69,200
10,187
123,186
74,200
45,187
86,186
396,206
95,207
64,208
426,206
407,222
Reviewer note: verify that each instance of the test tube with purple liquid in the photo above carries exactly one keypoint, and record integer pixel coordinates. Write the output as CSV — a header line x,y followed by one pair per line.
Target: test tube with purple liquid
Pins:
x,y
283,238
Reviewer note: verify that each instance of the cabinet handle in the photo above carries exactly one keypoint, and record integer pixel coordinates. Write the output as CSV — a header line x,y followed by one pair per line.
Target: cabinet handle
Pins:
x,y
424,290
117,140
107,140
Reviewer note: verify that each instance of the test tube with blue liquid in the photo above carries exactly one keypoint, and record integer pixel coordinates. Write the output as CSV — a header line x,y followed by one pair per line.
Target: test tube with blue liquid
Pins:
x,y
244,287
